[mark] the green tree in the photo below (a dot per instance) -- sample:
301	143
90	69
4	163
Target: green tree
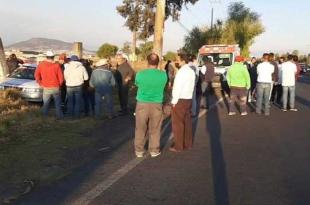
295	52
198	37
126	48
107	50
172	56
140	15
242	26
145	49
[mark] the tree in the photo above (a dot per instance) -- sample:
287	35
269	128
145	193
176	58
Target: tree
198	37
107	50
126	48
242	26
145	49
140	15
172	56
295	52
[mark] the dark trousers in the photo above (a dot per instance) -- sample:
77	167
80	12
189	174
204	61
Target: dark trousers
182	125
240	95
123	97
276	94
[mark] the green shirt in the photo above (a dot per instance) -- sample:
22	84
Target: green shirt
151	84
238	76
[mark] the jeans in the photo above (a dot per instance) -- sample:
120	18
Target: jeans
74	95
89	102
263	93
288	92
108	98
48	94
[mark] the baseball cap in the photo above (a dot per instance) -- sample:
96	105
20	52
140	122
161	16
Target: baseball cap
50	54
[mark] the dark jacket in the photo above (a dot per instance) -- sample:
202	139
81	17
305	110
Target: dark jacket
126	72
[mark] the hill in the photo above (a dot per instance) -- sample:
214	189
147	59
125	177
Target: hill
41	44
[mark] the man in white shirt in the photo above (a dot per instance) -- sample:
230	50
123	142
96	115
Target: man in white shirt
288	76
263	87
75	74
182	94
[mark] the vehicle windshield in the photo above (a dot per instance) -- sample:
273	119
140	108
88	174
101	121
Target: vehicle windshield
23	73
219	59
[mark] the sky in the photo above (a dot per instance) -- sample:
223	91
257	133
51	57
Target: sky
94	22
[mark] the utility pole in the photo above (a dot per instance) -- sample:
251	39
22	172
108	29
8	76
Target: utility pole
4	70
212	13
159	27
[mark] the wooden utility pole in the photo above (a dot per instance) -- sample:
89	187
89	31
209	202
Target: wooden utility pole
134	44
78	49
159	27
4	70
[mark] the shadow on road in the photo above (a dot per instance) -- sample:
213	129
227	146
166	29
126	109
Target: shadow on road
220	183
303	101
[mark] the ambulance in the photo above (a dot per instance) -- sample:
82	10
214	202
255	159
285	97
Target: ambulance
222	56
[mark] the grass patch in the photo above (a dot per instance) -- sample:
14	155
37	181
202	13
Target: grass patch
37	148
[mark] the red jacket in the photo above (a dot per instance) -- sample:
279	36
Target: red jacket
49	75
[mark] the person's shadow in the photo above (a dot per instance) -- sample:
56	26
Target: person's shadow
220	184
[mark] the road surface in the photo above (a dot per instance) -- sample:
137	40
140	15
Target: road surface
236	160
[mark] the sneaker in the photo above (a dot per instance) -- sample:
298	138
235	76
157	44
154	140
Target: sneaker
155	154
231	113
293	109
284	109
139	154
244	113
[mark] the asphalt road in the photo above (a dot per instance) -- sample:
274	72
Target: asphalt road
236	160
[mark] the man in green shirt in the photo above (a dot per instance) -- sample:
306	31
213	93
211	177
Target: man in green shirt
239	81
149	114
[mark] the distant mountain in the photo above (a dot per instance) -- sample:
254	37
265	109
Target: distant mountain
41	44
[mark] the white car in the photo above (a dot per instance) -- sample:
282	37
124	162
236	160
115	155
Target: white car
23	79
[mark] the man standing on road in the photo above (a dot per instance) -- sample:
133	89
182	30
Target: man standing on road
151	83
49	76
239	82
103	81
127	74
264	83
275	78
75	74
182	94
252	68
288	73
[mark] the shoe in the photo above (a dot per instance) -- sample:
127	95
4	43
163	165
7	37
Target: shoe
267	114
172	149
259	113
155	154
231	113
139	154
244	113
293	109
284	109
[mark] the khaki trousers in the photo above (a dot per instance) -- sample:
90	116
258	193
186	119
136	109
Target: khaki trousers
149	117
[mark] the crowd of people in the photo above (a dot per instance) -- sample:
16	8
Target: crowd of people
185	87
263	81
73	82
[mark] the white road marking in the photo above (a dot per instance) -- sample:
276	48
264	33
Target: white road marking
104	185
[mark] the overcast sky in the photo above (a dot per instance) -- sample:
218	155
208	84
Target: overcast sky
94	22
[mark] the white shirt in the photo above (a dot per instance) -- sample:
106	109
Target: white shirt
265	71
289	70
203	69
184	84
75	73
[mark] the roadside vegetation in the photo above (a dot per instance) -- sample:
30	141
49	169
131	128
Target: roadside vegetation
36	150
